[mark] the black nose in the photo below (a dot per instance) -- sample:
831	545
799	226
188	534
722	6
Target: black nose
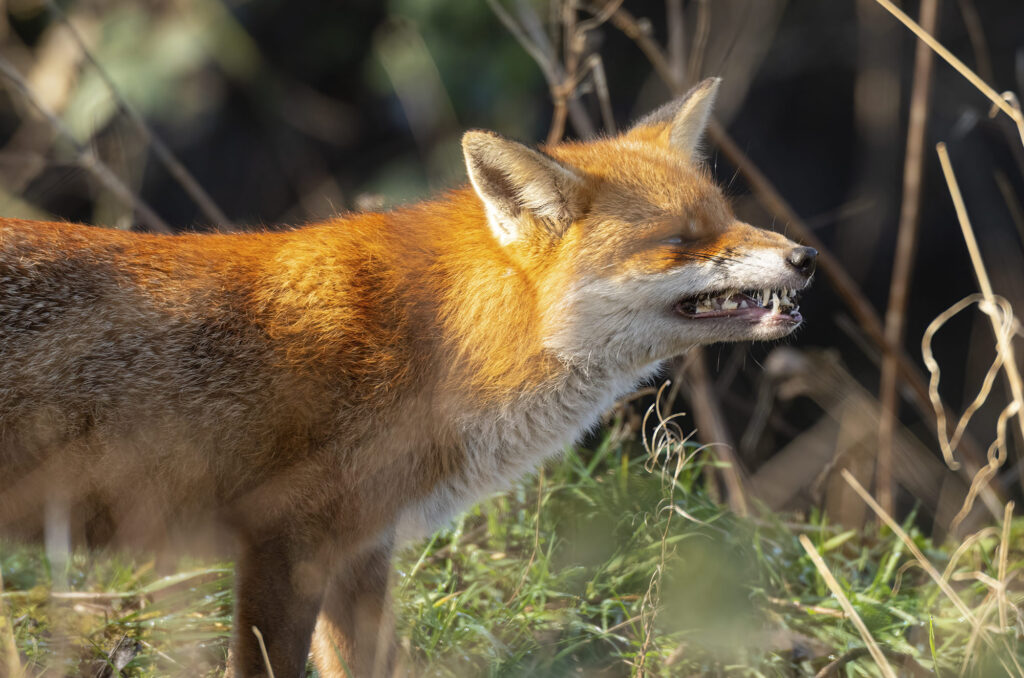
802	259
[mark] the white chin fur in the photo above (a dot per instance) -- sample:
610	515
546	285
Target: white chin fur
629	320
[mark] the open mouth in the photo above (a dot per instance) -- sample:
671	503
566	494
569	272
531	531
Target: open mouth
751	305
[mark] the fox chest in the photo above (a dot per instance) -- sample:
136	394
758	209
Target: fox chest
502	444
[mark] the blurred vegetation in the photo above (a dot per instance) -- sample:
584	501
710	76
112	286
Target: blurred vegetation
603	560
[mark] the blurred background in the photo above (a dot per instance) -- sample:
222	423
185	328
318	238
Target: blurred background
171	115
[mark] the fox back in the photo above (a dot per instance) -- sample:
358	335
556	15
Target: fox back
320	393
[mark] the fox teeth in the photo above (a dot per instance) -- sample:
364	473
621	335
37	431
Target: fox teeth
703	307
730	305
743	304
775	302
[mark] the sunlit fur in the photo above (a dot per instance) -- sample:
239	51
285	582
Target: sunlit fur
313	392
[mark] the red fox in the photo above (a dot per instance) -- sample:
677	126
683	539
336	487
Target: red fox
322	393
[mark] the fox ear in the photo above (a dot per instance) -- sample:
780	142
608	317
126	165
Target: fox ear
684	119
521	188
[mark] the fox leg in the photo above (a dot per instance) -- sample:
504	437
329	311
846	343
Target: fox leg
279	589
354	632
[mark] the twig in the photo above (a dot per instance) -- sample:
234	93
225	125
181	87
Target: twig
162	152
85	155
700	40
676	45
596	67
844	602
540	50
976	34
906	242
809	609
835	667
712	430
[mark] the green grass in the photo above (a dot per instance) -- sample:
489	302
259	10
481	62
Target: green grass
601	566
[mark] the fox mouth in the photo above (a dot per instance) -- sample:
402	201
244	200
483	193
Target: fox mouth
752	305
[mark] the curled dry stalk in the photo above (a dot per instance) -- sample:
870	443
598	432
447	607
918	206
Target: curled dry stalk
1004	326
665	444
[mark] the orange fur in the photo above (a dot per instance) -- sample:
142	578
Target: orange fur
318	393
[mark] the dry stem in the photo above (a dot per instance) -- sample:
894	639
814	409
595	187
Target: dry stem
844	602
903	265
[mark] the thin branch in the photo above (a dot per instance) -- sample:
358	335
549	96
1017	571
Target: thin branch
85	155
162	152
538	47
713	432
906	244
596	67
700	40
676	46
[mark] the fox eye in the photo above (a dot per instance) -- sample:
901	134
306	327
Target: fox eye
674	240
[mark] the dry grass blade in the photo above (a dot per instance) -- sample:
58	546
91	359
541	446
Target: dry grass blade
978	629
263	650
1003	324
1004	342
1004	550
911	546
844	602
998	99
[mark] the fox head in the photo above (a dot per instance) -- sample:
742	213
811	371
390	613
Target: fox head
633	251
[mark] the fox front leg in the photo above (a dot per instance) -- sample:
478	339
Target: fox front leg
353	635
279	589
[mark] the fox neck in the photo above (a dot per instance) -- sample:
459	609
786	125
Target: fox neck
515	398
504	338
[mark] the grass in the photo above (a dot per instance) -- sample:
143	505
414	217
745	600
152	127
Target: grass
601	566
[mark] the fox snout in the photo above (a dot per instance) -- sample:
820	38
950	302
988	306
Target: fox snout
803	260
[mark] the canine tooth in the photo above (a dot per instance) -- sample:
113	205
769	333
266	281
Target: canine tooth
765	296
775	302
730	305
